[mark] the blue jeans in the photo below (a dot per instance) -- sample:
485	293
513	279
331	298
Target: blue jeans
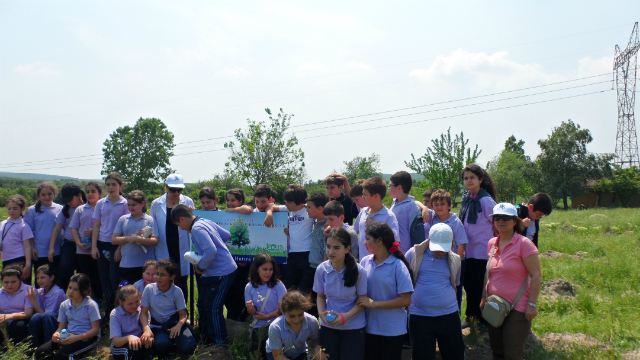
212	290
42	327
163	343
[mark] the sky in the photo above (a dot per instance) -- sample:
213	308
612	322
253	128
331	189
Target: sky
72	72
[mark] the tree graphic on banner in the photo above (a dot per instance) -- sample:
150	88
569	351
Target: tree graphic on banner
239	233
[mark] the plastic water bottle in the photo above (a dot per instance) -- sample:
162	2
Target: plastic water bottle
107	254
64	334
86	240
331	317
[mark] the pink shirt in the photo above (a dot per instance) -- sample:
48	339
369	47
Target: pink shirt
508	272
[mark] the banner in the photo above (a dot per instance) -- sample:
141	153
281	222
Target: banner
249	236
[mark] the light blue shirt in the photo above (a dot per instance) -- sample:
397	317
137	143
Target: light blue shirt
50	302
132	254
385	282
404	211
216	258
108	213
360	227
434	295
282	337
139	285
81	317
259	295
162	304
82	220
42	225
16	303
65	221
459	234
341	299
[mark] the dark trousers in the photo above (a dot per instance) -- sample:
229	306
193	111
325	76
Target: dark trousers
507	342
259	338
445	330
131	274
459	287
124	353
212	290
473	283
17	330
41	327
89	266
235	297
51	350
109	274
43	261
343	344
297	273
380	347
68	263
303	356
19	260
163	343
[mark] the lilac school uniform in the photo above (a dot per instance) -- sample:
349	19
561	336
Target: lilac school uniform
42	225
79	318
360	227
259	295
341	299
216	258
481	232
132	254
282	337
434	295
404	211
82	220
16	303
162	304
459	233
139	285
122	323
65	222
385	282
14	234
109	213
50	302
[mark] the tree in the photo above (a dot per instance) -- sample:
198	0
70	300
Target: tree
140	154
565	163
442	164
512	171
239	233
362	167
263	154
624	183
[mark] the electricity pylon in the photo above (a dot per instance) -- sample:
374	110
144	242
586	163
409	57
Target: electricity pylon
625	65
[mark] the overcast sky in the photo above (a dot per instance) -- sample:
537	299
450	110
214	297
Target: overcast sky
72	72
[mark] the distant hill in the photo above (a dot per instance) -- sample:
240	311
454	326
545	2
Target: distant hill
29	176
414	176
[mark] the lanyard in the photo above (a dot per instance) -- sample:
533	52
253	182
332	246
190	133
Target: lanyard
5	233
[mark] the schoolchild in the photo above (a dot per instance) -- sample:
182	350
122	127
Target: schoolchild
235	200
128	234
404	207
374	191
148	276
72	197
338	283
315	204
426	197
46	304
433	313
41	218
164	313
475	210
15	307
334	213
539	206
389	288
263	197
208	199
106	214
15	244
82	230
357	194
262	295
290	332
80	316
125	329
335	184
217	268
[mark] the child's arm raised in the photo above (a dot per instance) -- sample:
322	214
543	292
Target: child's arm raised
347	188
32	295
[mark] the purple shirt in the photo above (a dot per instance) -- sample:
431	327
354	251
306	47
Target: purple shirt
16	303
385	282
162	304
42	225
14	234
405	212
216	258
258	295
434	295
481	232
459	233
79	318
82	220
360	227
65	221
122	323
50	302
108	213
282	337
132	254
341	299
139	285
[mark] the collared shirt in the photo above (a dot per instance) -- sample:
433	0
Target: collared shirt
508	272
341	299
16	303
459	234
108	213
159	215
42	225
64	222
259	295
140	286
162	304
434	295
351	209
132	254
318	244
385	282
14	233
360	226
282	337
81	317
405	211
216	258
82	220
355	249
122	323
481	232
300	227
50	302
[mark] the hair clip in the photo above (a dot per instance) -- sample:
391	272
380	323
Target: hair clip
123	283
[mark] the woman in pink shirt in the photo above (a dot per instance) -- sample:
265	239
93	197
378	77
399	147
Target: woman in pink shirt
514	260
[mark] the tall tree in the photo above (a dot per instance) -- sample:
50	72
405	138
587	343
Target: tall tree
442	164
141	154
512	171
362	167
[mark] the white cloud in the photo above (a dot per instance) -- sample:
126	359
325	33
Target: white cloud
38	69
358	65
312	69
589	67
235	72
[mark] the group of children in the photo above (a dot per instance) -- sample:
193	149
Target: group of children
346	254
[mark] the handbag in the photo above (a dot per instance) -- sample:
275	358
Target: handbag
496	308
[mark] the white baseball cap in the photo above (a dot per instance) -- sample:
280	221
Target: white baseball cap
175	181
504	209
440	237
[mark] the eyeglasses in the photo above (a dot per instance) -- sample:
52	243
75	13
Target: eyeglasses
502	217
162	275
150	275
174	190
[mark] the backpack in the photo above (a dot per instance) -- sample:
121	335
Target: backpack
416	230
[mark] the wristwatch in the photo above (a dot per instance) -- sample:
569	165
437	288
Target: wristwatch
533	304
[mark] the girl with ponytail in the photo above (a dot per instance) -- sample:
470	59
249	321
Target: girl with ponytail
339	282
389	288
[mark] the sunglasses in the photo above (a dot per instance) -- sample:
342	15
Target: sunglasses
175	190
502	217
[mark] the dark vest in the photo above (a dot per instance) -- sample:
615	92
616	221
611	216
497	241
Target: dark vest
523	213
